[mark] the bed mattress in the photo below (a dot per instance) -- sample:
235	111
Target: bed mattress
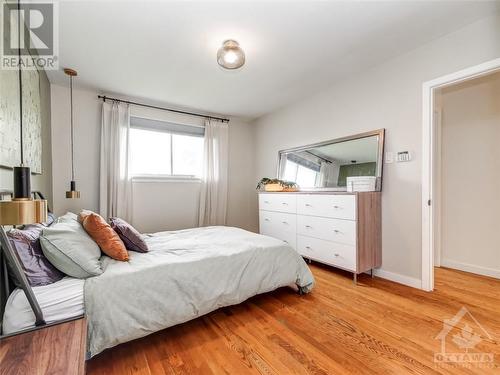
58	301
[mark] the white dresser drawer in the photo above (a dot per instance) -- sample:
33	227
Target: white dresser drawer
280	221
335	254
341	206
279	225
280	202
290	239
337	230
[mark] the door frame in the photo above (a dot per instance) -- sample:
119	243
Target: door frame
430	158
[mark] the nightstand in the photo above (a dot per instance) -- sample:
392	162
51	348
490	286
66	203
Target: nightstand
55	349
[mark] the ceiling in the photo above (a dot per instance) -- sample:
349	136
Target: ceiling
166	51
362	150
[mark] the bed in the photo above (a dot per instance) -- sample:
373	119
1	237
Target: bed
186	274
59	301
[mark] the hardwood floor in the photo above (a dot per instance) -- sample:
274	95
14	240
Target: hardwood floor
373	328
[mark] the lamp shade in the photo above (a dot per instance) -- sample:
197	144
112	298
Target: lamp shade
23	211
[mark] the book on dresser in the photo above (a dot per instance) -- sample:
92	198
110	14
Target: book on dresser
339	229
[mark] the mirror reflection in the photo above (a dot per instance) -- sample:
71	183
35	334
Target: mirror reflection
329	164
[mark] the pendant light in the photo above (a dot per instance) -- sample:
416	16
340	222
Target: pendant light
230	55
22	209
72	193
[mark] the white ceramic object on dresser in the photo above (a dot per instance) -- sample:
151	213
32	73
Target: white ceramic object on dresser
339	229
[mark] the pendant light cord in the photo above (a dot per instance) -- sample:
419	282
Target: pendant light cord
71	110
20	80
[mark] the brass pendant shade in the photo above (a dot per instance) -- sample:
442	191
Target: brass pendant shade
22	209
72	193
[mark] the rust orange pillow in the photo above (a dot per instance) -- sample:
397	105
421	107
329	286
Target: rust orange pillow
107	239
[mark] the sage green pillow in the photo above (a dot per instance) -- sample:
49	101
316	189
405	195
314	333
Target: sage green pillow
71	250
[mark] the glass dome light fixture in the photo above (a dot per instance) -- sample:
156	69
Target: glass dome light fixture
230	55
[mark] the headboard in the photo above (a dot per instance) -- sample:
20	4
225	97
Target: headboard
9	255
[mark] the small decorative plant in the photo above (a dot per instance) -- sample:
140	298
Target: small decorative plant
275	184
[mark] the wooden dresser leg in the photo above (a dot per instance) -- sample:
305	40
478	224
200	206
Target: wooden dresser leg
355	279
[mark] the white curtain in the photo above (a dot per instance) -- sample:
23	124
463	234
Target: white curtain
213	194
115	197
326	174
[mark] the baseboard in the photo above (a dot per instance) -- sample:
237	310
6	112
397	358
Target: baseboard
398	278
467	267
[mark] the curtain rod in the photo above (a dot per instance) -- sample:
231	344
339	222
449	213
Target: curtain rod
104	97
319	157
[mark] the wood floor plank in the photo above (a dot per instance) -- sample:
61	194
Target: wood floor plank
376	326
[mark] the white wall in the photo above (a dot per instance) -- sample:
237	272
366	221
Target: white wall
87	118
386	96
471	176
169	205
156	205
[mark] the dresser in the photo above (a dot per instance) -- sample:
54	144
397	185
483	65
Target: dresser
339	229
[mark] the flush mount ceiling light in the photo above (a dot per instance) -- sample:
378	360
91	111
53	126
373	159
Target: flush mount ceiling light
230	55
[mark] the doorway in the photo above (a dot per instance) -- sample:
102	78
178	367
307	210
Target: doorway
467	178
432	199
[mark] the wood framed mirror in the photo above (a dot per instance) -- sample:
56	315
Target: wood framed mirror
326	166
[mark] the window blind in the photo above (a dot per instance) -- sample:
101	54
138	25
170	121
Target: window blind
167	127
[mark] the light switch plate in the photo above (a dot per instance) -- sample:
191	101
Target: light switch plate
403	156
389	157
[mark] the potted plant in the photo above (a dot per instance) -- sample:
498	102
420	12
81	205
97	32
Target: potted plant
274	184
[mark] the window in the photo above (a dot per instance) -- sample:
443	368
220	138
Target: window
159	148
300	174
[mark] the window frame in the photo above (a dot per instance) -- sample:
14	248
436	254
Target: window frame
145	177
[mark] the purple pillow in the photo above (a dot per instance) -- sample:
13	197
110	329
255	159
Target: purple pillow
129	235
37	268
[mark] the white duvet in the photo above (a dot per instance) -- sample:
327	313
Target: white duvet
186	274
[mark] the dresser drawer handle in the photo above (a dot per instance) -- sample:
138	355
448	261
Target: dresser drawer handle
308	247
284	203
285	222
336	231
266	219
308	205
266	202
308	226
285	241
336	255
336	207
